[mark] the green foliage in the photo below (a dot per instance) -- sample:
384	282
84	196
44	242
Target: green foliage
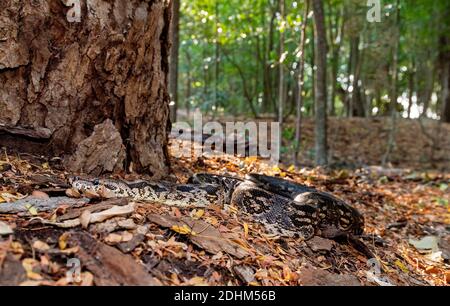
243	79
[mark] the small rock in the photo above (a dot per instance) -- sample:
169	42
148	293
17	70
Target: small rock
127	247
5	229
245	273
40	195
142	229
127	224
444	246
12	272
311	276
320	244
428	244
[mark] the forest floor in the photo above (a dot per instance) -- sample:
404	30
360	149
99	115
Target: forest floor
45	236
358	142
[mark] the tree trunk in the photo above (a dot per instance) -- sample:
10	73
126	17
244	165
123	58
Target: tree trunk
348	97
187	99
426	92
393	90
336	47
445	117
300	83
320	84
93	90
281	70
411	76
174	54
444	59
268	101
357	107
216	60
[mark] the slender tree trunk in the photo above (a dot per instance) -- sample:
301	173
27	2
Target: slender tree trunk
348	98
411	87
445	78
281	69
394	91
268	99
336	44
217	60
173	72
320	84
445	116
427	91
300	83
95	90
205	78
356	101
187	99
313	73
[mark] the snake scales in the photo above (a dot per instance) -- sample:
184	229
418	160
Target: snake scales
285	208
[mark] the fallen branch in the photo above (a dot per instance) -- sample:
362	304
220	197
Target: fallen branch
39	205
87	217
75	213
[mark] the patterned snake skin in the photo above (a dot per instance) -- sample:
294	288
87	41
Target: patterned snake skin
285	208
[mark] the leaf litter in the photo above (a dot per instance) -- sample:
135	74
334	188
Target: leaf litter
407	230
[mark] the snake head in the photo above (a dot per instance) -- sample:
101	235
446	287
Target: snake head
95	188
335	216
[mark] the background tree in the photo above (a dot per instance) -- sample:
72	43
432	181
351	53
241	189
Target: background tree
320	84
301	80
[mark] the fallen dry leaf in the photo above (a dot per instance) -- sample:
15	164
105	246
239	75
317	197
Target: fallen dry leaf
87	279
62	241
41	246
206	237
29	264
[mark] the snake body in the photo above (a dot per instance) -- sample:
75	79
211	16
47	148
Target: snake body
284	208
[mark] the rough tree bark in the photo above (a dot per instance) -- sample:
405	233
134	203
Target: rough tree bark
444	59
320	84
300	82
95	90
174	55
281	46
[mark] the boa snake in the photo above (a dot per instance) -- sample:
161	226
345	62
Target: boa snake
283	207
